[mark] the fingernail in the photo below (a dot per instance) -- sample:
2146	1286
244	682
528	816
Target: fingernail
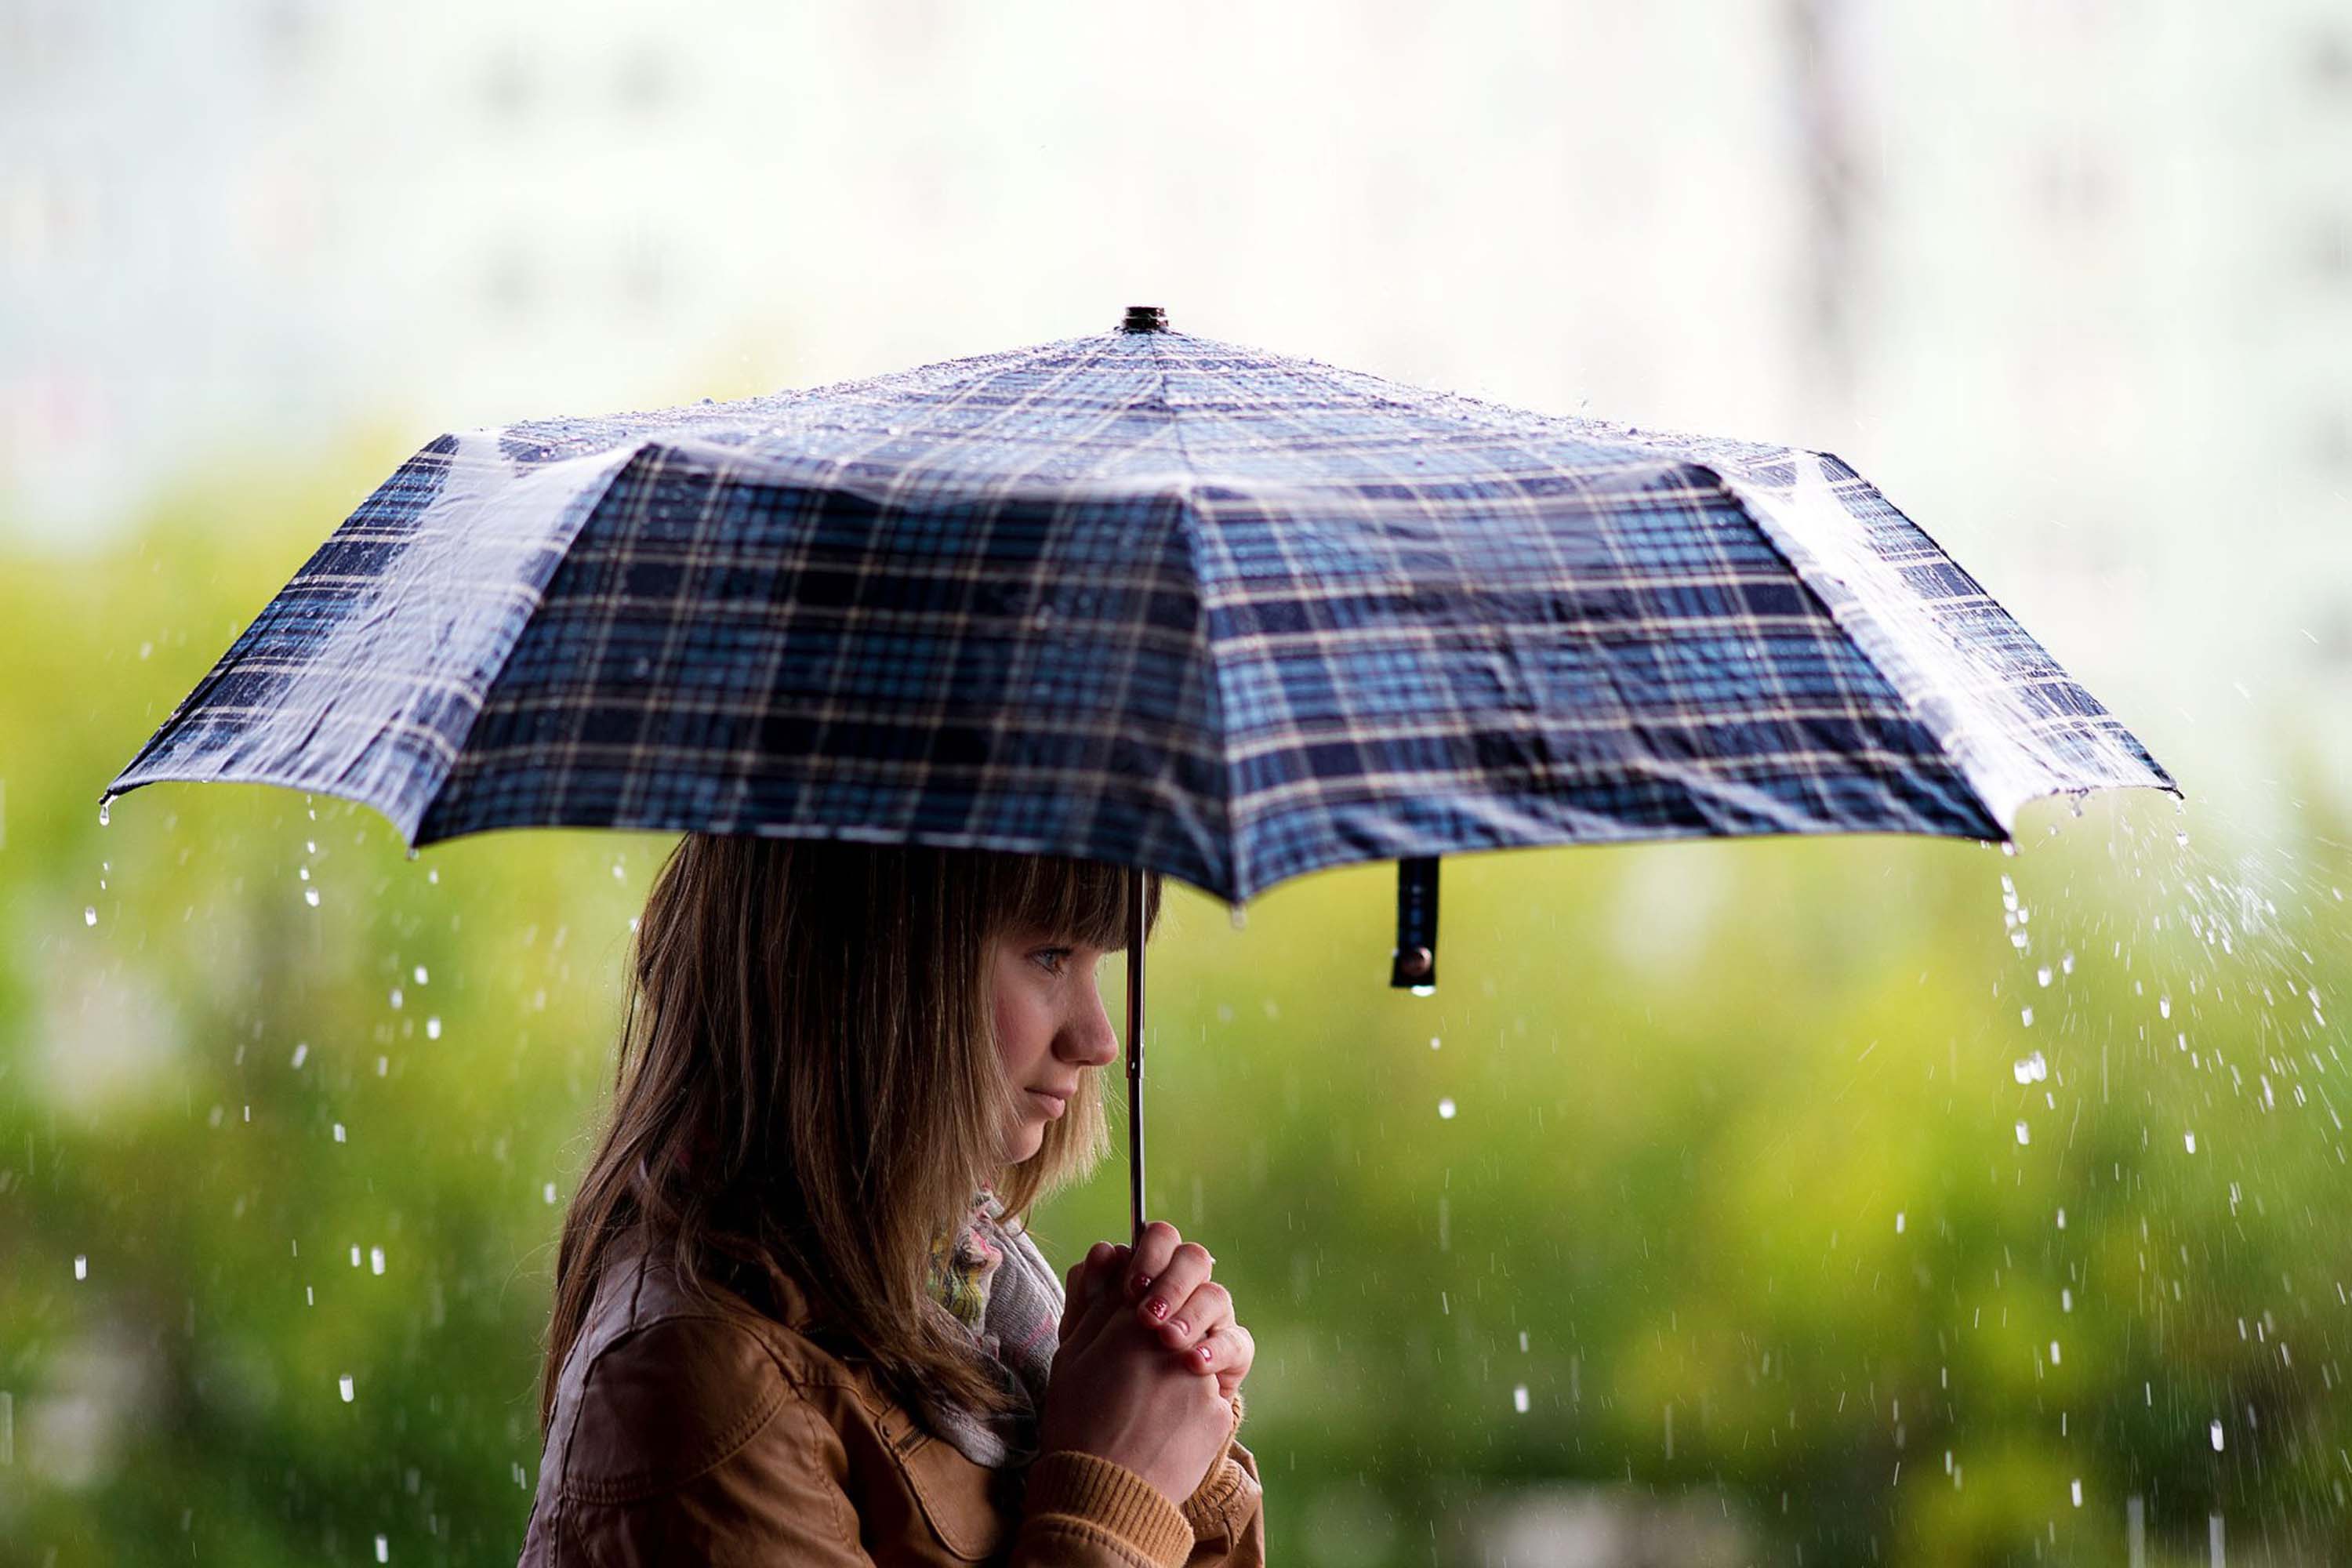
1137	1287
1202	1353
1159	1308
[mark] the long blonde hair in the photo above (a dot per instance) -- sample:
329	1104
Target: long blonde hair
808	1084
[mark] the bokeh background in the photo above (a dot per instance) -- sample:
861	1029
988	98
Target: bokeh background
1857	1201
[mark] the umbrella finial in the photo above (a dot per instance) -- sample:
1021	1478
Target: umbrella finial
1144	318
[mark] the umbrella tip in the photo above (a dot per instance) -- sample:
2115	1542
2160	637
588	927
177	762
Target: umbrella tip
1144	318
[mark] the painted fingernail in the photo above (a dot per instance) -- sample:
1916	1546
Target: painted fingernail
1140	1284
1202	1353
1159	1308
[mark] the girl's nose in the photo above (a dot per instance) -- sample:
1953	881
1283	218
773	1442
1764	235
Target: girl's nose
1088	1040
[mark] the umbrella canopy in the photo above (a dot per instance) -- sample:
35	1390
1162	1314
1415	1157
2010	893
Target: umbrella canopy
1146	598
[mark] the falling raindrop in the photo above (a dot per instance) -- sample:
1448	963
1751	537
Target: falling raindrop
311	896
301	1050
433	1029
89	915
383	1547
1520	1399
2053	1352
420	974
547	1192
2041	975
375	1260
2030	1069
2066	963
396	997
339	1131
345	1383
2065	1300
2164	1006
434	875
81	1266
1445	1108
2027	1013
2190	1139
2216	1434
2078	1500
1433	1042
2024	1133
104	812
1898	1222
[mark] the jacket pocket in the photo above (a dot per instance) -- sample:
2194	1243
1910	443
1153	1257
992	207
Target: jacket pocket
958	1499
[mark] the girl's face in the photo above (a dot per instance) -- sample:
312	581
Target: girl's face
1050	1027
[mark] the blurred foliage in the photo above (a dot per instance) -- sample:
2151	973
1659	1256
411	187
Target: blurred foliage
1712	1171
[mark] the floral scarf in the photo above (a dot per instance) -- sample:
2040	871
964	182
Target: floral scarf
1000	1287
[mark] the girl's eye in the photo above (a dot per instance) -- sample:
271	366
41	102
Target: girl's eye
1051	958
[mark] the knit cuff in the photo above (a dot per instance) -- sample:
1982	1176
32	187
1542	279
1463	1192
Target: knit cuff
1209	1510
1088	1488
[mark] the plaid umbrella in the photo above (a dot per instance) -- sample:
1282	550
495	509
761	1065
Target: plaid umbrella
1147	598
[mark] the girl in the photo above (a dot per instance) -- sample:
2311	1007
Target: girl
798	1318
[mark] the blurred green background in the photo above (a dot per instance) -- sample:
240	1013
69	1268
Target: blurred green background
1722	1207
1724	1171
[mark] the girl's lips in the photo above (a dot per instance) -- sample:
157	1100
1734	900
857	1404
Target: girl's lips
1054	1104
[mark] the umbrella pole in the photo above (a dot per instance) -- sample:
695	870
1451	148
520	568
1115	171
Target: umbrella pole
1135	1055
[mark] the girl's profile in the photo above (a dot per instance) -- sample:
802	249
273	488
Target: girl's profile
798	1315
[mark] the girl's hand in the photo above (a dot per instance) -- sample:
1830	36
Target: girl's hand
1118	1393
1168	1282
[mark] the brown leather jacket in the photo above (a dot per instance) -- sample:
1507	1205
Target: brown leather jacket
688	1433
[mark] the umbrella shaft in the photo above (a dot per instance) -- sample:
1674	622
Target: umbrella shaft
1135	1055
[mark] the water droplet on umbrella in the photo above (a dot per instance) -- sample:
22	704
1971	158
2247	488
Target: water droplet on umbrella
1445	1108
89	915
345	1383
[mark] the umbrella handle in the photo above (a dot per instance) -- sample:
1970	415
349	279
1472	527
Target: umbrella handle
1135	1055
